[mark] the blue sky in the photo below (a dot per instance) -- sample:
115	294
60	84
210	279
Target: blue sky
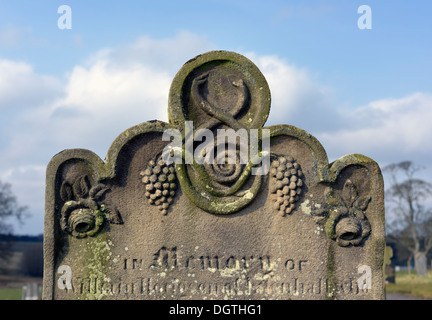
362	91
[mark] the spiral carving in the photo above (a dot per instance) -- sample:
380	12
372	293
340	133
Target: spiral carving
223	172
219	90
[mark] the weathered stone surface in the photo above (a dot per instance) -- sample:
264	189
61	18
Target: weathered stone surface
135	227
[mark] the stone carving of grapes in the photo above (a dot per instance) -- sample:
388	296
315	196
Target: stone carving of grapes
160	183
286	183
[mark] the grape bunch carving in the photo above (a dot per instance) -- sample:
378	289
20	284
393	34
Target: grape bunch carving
286	183
160	182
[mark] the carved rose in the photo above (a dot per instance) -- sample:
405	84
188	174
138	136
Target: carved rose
82	214
346	222
81	218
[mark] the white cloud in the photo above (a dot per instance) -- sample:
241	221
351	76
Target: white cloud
103	88
105	98
388	129
297	98
22	87
168	54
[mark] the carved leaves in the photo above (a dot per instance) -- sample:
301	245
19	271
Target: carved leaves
98	191
66	192
348	198
83	213
82	189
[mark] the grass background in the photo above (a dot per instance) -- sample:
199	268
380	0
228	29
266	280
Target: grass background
11	294
412	284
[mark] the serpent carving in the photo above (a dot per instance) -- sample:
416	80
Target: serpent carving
218	98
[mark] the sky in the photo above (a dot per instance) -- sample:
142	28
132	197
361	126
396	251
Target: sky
79	85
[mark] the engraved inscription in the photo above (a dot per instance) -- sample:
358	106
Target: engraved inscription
167	258
237	287
232	277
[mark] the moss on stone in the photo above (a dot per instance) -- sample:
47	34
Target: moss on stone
97	257
331	272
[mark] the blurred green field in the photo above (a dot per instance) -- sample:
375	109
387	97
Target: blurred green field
11	286
11	294
412	284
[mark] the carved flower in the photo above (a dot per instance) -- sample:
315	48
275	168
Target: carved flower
82	214
346	222
81	218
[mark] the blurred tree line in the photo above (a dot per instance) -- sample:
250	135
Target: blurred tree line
9	208
27	248
409	215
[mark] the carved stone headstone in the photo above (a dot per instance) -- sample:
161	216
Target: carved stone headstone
421	263
213	205
389	267
31	291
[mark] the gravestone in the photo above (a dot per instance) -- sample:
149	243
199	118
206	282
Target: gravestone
389	267
32	291
213	205
421	263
